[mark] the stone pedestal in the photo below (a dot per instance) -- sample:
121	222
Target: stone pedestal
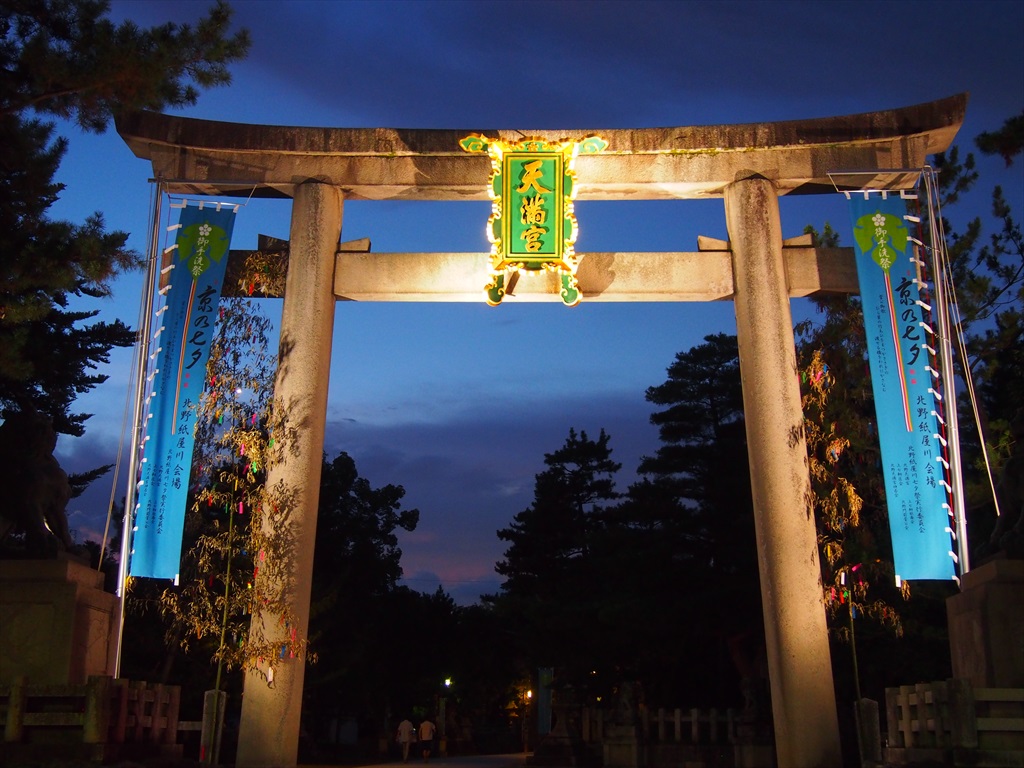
869	731
55	621
622	748
563	746
986	625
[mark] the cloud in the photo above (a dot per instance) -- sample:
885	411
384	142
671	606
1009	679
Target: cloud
471	474
86	514
468	474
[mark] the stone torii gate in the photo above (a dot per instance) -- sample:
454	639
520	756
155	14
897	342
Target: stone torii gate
748	165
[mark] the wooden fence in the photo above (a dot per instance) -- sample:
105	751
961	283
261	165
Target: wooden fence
692	726
951	723
103	719
664	737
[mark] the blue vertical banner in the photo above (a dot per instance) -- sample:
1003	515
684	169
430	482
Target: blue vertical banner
904	382
186	327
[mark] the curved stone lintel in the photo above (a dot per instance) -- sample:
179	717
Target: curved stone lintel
212	157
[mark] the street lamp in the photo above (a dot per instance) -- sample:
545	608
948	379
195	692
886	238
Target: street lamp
442	718
526	720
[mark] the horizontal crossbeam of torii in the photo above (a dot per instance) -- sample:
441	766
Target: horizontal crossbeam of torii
704	275
749	166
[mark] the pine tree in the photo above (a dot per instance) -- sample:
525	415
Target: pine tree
356	569
1008	141
552	589
46	350
695	505
552	535
63	58
703	455
356	524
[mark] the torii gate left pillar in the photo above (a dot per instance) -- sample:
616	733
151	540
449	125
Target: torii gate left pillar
269	728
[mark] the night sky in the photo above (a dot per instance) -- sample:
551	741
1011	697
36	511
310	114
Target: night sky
459	402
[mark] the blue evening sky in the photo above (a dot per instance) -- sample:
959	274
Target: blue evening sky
459	402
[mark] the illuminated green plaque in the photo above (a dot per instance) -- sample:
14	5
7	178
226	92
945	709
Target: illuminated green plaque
532	226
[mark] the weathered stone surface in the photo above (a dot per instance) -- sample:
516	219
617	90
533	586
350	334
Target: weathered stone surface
621	277
55	621
986	625
269	729
796	636
219	158
705	275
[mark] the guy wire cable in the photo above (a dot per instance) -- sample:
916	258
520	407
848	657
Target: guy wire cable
133	372
961	345
140	385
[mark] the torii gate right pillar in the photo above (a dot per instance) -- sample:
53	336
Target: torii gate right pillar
796	636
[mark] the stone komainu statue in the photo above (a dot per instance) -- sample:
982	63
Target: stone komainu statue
34	490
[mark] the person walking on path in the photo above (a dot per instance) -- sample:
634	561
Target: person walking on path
427	730
406	736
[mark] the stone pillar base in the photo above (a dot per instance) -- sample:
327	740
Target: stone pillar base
562	747
986	625
622	748
55	621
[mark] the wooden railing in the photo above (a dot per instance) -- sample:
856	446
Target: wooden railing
952	723
663	738
100	720
692	726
